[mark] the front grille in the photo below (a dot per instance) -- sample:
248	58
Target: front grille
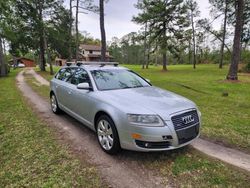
152	145
186	131
179	123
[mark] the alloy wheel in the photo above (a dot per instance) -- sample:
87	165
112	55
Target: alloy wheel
53	103
105	134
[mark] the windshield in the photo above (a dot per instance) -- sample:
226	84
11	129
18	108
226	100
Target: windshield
117	79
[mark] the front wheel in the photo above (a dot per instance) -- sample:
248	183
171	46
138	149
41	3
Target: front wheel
54	104
107	135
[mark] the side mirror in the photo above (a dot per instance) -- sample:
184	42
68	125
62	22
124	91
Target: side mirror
84	85
147	80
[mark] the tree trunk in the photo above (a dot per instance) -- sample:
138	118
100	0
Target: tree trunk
156	56
148	57
233	71
164	59
224	35
77	32
48	56
41	37
145	45
156	60
189	51
70	30
42	54
148	51
3	71
50	63
103	34
194	47
164	48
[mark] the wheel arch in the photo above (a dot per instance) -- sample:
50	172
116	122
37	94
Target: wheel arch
51	93
99	114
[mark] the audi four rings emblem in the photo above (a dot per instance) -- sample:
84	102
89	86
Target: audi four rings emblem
187	119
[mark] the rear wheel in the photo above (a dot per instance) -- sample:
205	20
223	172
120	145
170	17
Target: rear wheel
54	104
107	135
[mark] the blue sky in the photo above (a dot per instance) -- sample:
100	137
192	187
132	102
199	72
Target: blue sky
118	15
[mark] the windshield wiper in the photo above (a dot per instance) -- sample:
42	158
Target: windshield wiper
137	86
126	87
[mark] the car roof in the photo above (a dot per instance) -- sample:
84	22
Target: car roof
96	66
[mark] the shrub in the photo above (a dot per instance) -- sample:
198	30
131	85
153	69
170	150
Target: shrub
247	67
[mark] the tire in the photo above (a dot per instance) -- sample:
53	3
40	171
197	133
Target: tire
107	135
54	104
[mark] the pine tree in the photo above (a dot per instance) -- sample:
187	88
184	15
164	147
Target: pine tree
233	71
166	19
2	63
102	28
194	12
221	8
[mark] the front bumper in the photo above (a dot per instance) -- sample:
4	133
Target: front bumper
158	138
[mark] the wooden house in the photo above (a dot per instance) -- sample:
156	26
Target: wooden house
92	53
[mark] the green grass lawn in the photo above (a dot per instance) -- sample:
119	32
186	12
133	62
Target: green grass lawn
29	153
46	74
224	119
187	167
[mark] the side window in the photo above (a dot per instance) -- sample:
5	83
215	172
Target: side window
60	73
67	74
80	76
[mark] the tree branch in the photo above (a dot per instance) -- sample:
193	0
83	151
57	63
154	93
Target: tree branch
218	37
84	8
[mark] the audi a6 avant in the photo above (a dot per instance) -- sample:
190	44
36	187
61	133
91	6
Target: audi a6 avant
123	108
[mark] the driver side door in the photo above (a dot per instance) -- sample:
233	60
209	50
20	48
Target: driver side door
81	103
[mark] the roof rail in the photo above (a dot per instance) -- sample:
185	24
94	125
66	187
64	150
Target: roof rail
100	63
79	63
70	63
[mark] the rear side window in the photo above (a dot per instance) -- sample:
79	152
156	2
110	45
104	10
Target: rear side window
60	73
65	73
80	76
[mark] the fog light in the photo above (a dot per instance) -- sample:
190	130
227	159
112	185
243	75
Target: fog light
167	137
136	136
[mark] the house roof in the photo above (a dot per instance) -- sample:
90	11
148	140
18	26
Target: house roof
91	47
95	55
22	58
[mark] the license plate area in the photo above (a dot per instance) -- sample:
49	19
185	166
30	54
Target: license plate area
187	134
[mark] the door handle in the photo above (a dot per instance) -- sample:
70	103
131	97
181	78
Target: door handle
69	92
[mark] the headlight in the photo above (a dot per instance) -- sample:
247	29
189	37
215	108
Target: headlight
146	120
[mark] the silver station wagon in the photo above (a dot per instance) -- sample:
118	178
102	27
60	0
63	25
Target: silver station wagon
123	108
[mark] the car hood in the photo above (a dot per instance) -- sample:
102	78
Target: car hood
147	100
